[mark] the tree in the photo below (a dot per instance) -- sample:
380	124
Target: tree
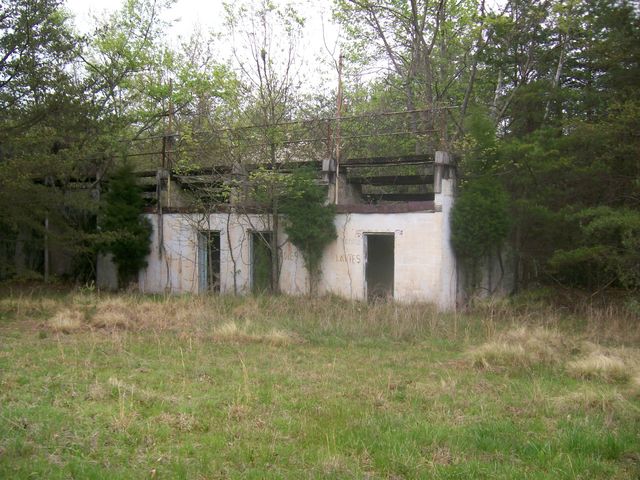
125	233
124	61
307	220
557	81
606	251
269	92
42	125
425	45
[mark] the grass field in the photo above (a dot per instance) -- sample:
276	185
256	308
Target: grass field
96	386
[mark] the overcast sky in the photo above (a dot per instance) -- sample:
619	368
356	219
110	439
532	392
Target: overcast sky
188	14
317	56
208	15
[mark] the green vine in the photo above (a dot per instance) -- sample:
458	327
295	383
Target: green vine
480	221
308	222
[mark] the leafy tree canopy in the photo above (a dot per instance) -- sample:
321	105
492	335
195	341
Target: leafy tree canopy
480	219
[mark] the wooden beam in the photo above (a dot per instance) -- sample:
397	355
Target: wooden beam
199	180
285	167
392	160
148	187
393	180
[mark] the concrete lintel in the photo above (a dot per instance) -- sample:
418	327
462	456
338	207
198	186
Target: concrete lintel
443	158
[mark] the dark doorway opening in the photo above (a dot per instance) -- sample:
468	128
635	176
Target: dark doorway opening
379	265
209	261
261	266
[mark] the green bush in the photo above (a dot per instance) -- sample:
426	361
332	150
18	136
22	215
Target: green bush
124	231
480	218
607	250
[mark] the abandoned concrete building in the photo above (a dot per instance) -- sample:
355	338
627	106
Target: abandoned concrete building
392	192
390	245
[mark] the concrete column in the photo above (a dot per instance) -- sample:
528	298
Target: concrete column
329	177
444	187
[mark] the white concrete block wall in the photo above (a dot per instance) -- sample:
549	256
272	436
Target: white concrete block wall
176	271
419	246
416	247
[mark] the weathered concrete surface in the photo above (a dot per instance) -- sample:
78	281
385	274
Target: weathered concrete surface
106	272
417	255
174	267
449	273
422	256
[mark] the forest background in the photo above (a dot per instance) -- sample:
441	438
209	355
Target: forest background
538	99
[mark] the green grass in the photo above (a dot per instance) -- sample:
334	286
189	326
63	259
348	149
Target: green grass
357	391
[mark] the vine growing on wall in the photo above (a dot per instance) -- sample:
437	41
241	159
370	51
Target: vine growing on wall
308	221
480	223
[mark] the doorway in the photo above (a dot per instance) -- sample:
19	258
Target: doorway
209	261
379	265
261	266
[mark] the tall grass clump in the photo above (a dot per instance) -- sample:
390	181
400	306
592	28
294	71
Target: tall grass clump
607	317
114	313
589	399
521	347
518	332
234	333
618	365
66	321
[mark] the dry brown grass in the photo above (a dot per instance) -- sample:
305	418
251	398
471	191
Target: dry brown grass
114	313
601	319
279	338
273	319
134	313
246	310
182	422
85	313
28	306
175	314
525	347
336	466
592	400
612	324
131	390
232	332
521	347
599	365
96	391
67	321
610	365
